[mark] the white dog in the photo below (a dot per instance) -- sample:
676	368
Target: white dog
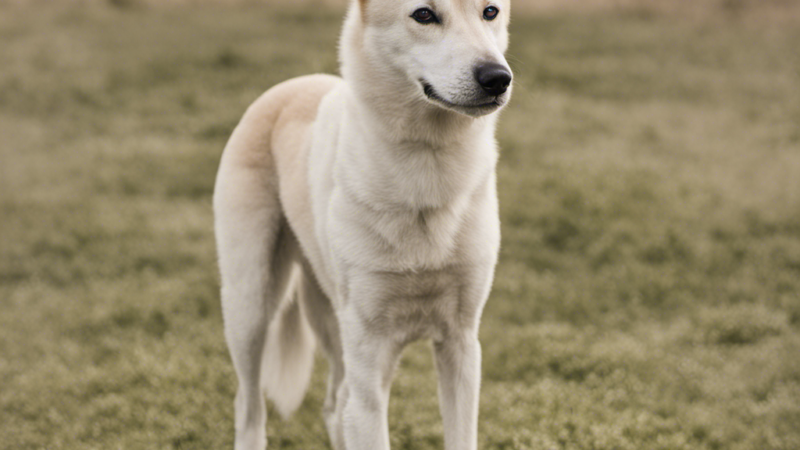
363	210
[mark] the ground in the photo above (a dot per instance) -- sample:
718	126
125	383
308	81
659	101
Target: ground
648	292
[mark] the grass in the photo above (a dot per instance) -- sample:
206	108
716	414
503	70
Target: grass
648	295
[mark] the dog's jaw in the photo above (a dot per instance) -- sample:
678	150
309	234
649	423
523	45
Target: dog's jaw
472	110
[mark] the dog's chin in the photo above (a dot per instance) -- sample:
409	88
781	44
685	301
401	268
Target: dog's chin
480	107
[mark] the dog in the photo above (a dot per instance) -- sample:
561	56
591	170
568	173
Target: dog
361	213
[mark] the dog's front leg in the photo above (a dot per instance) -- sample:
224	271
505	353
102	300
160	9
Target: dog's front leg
458	362
370	358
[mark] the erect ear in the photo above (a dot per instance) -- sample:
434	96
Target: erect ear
363	9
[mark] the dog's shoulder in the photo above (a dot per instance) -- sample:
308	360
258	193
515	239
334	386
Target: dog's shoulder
298	101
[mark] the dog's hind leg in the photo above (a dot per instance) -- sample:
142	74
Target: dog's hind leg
255	269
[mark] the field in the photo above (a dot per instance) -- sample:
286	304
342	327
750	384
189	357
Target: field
648	294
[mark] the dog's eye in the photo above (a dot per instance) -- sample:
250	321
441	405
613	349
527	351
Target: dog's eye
490	13
425	15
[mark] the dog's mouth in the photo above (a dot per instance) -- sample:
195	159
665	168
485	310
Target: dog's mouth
431	93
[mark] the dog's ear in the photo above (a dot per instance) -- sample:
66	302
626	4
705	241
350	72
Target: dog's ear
363	8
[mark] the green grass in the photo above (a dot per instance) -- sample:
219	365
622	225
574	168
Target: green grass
648	294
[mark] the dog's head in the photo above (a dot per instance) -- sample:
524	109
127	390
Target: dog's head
451	51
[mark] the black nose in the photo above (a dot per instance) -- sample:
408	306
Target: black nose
494	78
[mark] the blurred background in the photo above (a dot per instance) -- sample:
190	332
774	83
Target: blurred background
648	292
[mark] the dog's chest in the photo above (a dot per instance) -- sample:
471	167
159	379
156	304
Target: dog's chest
420	237
411	210
404	239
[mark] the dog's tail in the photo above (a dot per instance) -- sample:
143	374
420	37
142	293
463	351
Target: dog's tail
288	358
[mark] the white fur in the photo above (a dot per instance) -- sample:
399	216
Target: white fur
370	207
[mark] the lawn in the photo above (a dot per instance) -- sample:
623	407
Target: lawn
648	292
